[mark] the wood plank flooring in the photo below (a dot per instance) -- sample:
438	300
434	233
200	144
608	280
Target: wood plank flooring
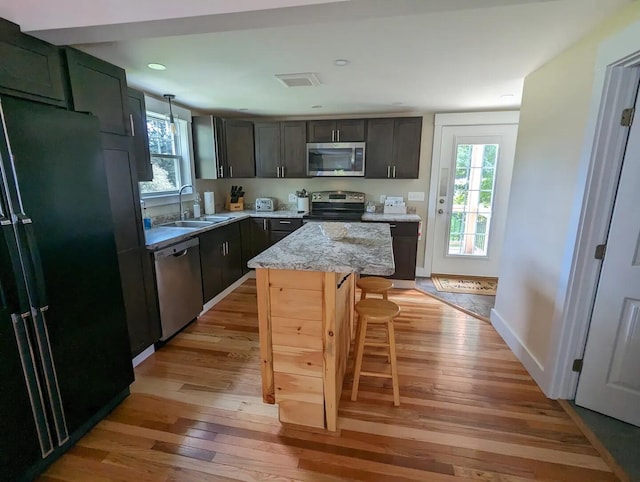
469	412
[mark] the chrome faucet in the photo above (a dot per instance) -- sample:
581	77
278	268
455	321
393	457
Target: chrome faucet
183	214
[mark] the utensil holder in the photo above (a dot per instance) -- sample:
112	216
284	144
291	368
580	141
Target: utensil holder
229	206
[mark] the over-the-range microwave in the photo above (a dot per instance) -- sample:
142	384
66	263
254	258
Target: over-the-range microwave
337	159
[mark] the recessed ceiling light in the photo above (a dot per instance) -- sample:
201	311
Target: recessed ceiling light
153	66
316	107
396	103
342	62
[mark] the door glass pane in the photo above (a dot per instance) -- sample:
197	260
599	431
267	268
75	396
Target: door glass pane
472	199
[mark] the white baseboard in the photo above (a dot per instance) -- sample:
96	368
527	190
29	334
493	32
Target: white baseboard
404	284
214	301
150	350
530	362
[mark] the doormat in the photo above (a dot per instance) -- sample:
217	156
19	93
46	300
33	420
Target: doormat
473	285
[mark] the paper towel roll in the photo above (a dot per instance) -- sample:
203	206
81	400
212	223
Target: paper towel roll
209	203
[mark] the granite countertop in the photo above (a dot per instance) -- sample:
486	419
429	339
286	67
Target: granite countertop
398	218
366	249
162	236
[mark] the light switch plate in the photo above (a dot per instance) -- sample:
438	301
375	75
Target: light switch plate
292	197
416	196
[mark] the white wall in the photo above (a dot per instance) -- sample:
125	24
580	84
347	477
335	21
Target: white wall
541	224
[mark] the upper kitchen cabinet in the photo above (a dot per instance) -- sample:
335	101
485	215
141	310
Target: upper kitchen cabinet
31	68
238	143
88	75
223	148
280	149
337	130
393	148
138	121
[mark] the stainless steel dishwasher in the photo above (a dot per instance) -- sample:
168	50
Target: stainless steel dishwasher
179	285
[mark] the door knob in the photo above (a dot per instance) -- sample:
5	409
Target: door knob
440	211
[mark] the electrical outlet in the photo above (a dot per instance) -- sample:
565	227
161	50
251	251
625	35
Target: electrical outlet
383	198
416	196
292	197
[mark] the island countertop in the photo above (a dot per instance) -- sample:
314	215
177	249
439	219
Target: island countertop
367	249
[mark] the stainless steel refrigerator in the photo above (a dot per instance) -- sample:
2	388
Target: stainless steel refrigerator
64	352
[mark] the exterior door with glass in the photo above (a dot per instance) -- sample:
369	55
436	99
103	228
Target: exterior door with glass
472	193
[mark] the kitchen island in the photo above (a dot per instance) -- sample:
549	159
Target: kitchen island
306	293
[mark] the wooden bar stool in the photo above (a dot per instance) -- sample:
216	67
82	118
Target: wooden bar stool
374	284
376	311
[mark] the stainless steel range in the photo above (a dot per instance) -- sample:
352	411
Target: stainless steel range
336	206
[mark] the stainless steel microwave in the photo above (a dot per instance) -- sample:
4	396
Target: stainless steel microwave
338	159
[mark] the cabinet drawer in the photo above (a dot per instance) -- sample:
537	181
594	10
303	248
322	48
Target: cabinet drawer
291	332
298	387
285	224
301	280
401	228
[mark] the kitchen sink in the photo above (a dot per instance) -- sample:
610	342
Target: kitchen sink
216	219
190	224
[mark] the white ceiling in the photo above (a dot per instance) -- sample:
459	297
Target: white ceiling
221	56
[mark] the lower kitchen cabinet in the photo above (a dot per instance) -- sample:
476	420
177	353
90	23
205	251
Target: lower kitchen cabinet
220	259
280	228
405	249
255	239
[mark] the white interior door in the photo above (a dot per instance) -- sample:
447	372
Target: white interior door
610	379
474	177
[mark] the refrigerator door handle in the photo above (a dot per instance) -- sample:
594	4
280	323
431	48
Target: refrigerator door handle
39	298
34	389
50	376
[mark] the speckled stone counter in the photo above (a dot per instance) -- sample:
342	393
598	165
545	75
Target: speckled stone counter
366	249
391	218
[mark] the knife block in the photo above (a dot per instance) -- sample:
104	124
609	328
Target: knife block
229	206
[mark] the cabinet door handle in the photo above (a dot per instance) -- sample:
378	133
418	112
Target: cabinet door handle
278	172
231	171
338	135
333	135
393	225
394	171
282	171
133	129
285	222
388	171
221	171
264	224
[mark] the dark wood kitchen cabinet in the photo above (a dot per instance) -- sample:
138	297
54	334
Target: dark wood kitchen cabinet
223	148
255	239
280	149
404	236
239	159
31	68
336	130
220	259
393	148
100	88
280	228
138	120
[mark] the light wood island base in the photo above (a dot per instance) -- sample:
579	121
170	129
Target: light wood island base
305	323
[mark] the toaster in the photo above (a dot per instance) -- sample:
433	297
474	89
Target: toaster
265	204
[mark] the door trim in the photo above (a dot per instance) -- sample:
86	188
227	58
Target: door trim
616	77
440	121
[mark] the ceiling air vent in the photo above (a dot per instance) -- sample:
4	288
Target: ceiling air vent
305	79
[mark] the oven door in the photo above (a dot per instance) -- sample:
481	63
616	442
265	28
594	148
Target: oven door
336	159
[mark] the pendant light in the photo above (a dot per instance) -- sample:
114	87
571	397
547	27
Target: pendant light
172	120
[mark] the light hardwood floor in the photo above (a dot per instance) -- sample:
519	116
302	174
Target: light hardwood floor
469	411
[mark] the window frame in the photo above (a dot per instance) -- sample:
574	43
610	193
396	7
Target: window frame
184	155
